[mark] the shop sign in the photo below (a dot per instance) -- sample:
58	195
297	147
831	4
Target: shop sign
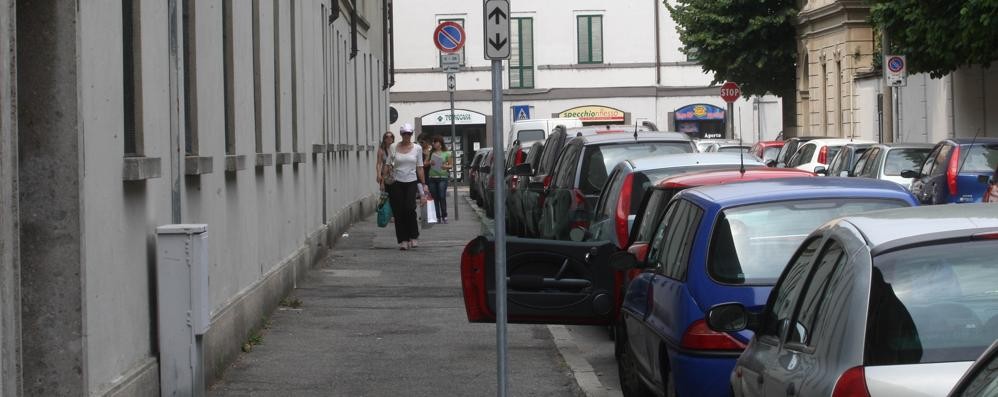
591	114
700	111
461	117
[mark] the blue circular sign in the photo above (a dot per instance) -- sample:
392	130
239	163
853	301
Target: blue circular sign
449	37
895	64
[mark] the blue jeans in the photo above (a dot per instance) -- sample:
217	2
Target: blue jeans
438	189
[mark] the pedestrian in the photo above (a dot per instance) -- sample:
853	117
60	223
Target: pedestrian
440	161
406	158
386	143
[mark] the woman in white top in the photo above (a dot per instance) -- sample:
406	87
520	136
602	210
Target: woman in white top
407	159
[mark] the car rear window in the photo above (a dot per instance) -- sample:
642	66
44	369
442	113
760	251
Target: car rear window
904	159
752	244
530	135
979	158
933	303
598	160
733	149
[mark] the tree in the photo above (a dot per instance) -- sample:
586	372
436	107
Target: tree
939	36
751	42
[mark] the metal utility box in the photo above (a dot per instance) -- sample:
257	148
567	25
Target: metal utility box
184	306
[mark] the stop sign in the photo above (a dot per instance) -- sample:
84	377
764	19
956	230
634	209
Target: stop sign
730	92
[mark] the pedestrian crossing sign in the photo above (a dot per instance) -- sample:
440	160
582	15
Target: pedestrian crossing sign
521	112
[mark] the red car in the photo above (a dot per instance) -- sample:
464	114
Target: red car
767	150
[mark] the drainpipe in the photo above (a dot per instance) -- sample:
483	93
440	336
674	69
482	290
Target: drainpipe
658	48
951	109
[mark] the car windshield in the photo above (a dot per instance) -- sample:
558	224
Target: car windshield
752	244
525	136
933	303
904	159
979	158
600	159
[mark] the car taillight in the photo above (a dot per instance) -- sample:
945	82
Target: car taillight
519	157
823	155
473	282
547	181
700	337
852	383
513	180
640	251
624	210
953	170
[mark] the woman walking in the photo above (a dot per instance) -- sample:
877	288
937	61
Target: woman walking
386	143
406	159
440	163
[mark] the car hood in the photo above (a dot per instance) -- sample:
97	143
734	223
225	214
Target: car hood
914	380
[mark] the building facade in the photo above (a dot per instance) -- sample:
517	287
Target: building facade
842	93
606	62
258	118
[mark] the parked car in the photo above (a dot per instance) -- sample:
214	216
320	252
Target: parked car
539	180
843	162
486	182
620	199
956	171
889	303
703	144
886	161
583	168
767	151
474	183
517	183
981	380
790	148
716	244
817	152
537	130
733	147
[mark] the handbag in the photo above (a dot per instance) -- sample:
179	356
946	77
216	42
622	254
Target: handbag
388	169
384	213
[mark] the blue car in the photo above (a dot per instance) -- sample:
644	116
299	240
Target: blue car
716	244
956	171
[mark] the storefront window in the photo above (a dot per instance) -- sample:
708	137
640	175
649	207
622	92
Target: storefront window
700	120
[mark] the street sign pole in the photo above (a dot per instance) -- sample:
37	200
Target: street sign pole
497	48
451	86
730	93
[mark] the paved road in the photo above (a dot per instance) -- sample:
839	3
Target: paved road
376	321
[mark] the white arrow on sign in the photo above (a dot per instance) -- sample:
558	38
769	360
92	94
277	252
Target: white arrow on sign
497	29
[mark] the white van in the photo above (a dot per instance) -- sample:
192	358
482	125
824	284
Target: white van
533	130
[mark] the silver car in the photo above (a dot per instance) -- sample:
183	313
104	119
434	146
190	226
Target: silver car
887	161
887	303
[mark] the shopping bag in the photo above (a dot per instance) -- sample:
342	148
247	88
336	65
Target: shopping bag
384	213
431	211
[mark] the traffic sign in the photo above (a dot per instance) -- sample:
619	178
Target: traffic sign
496	29
451	85
896	70
730	92
450	63
449	37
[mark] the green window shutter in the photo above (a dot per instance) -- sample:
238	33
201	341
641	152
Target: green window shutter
521	60
596	39
583	39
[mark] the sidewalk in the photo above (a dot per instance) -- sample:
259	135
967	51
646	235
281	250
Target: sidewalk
376	321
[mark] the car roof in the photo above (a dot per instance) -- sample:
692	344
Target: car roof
888	229
809	137
604	129
629	136
717	177
734	194
841	141
688	159
907	145
858	145
771	143
967	141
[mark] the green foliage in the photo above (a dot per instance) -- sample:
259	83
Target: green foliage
751	42
939	36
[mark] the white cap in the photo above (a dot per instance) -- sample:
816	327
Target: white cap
407	127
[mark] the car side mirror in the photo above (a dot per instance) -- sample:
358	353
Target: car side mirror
523	169
771	163
623	260
731	317
909	174
821	170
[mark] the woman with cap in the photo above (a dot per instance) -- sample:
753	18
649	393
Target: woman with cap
407	160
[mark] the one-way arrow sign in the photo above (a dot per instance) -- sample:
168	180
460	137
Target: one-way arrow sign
497	29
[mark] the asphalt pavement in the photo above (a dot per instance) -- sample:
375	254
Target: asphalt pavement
376	321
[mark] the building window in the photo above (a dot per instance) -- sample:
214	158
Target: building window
590	38
460	21
521	59
132	77
691	54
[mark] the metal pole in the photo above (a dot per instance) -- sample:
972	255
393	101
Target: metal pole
453	156
499	170
176	81
731	121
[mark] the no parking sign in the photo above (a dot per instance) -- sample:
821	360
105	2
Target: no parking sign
896	70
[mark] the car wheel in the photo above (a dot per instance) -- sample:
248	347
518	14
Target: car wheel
630	382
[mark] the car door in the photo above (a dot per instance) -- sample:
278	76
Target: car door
548	282
601	227
871	163
559	195
755	373
533	195
933	182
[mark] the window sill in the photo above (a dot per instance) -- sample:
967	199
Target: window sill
141	168
282	158
197	165
298	157
235	163
318	148
264	160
